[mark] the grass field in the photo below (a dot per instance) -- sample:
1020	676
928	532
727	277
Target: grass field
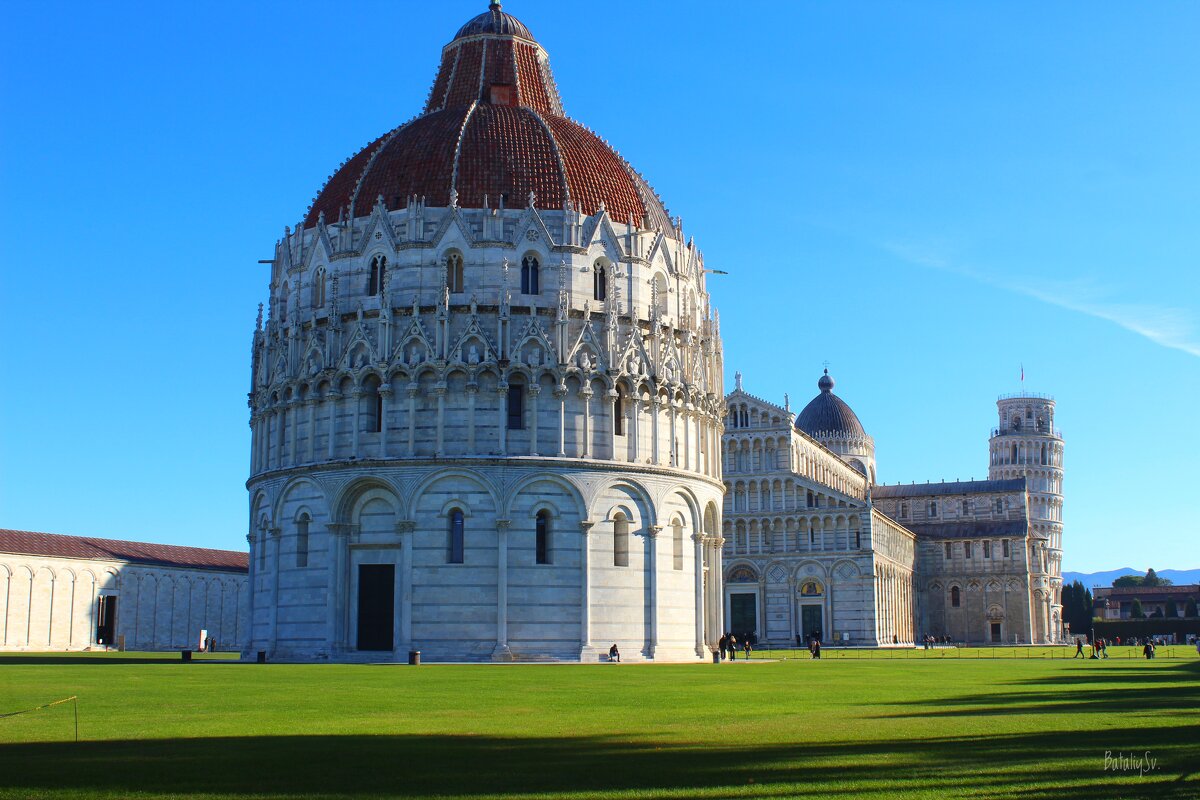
886	725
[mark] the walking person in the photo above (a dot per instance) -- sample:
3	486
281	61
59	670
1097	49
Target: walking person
1079	649
816	648
732	647
746	648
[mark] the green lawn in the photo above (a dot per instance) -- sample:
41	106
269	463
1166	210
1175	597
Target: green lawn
886	725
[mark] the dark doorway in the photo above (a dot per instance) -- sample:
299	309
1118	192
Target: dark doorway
376	606
743	614
810	622
996	632
106	619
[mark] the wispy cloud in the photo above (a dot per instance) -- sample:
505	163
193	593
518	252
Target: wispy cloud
1170	327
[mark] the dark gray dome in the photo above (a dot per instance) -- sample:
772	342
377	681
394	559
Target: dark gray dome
494	21
828	415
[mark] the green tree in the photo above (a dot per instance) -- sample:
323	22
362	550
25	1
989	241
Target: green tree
1171	610
1190	610
1135	610
1152	579
1077	606
1128	580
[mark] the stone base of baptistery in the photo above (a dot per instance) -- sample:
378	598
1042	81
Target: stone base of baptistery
325	529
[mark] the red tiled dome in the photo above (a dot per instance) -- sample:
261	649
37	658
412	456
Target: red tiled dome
493	130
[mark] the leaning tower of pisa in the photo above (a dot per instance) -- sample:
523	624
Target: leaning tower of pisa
1028	444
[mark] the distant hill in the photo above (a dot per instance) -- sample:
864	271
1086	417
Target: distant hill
1091	579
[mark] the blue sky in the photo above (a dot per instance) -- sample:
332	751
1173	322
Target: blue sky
927	195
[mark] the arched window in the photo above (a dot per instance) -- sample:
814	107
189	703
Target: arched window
932	509
302	541
619	412
599	281
454	273
377	417
530	278
677	543
378	268
318	288
955	597
542	538
516	406
620	540
454	549
904	511
660	291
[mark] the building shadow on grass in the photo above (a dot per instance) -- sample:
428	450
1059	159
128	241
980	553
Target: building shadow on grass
1114	690
101	659
1065	765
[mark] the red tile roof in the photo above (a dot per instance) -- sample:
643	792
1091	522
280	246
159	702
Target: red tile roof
464	143
83	547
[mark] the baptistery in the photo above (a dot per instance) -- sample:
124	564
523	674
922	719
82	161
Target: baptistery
486	402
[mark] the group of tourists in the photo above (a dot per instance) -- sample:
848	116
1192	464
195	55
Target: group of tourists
728	645
933	641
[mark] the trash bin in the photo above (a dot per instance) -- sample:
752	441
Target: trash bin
262	656
186	654
716	657
414	658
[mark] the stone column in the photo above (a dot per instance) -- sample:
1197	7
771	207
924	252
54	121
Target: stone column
612	428
534	391
651	580
385	408
404	530
251	586
672	444
561	393
440	391
586	651
716	581
472	391
413	389
501	651
332	401
655	446
698	550
635	413
277	540
502	419
337	601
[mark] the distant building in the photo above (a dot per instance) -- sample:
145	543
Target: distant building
77	593
814	547
1116	602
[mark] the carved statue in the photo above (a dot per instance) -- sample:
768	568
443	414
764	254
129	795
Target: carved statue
473	355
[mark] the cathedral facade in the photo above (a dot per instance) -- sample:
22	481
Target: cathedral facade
814	548
486	402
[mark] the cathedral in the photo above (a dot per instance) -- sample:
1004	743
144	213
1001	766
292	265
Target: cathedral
488	423
815	548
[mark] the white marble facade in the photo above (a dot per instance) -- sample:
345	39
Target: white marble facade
372	427
52	603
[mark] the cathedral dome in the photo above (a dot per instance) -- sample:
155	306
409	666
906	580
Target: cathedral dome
493	132
494	21
828	416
